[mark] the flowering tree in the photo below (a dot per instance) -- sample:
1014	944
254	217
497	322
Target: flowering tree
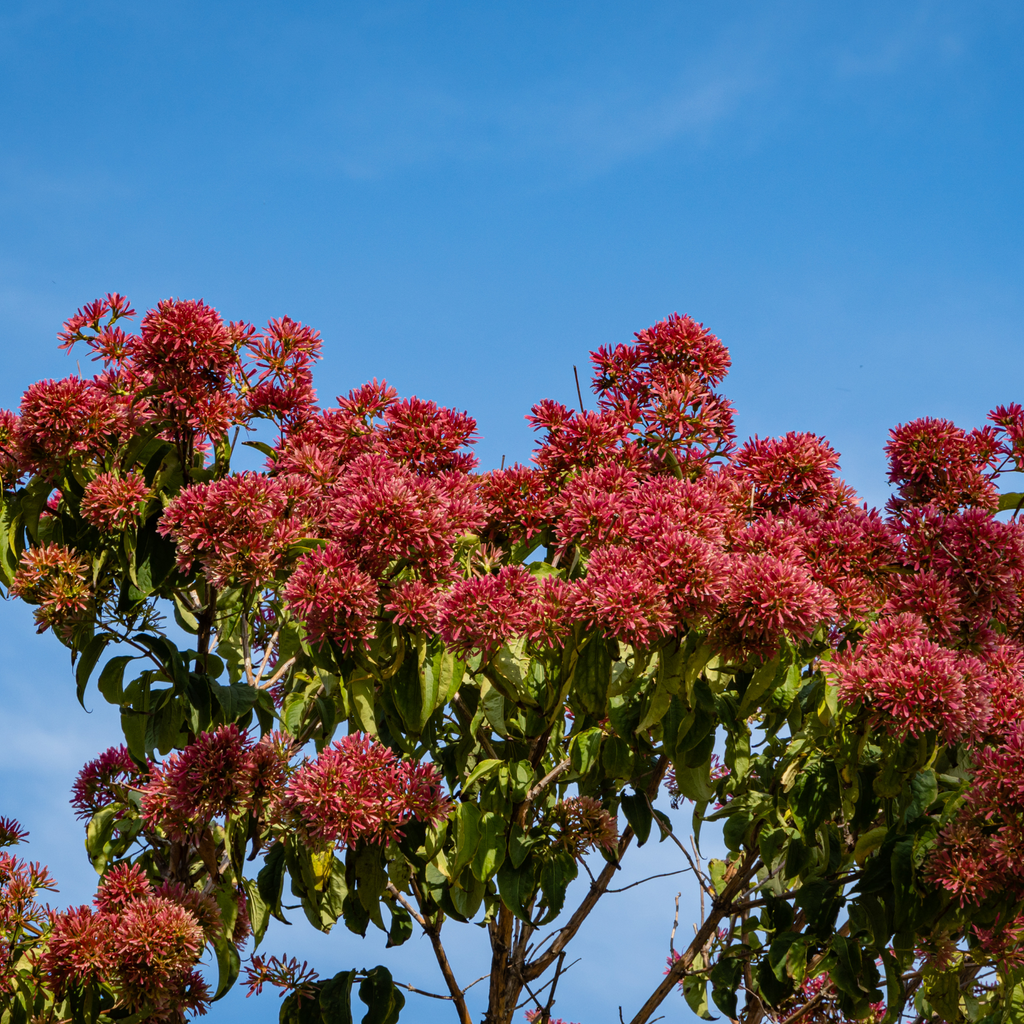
418	695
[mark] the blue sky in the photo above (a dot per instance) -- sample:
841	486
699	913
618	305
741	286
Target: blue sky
466	197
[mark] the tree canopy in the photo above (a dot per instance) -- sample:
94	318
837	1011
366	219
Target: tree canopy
417	694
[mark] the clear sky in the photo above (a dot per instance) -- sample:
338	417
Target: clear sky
466	197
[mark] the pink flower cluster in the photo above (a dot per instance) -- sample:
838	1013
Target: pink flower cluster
221	773
22	917
358	790
56	579
114	503
583	824
105	780
139	942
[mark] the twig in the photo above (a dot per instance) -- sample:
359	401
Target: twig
419	991
392	891
737	877
269	650
243	631
579	394
279	671
433	932
701	878
664	874
546	1015
675	925
536	790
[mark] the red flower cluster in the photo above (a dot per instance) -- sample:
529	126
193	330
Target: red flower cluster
933	462
221	773
357	790
105	780
113	503
56	579
142	945
584	824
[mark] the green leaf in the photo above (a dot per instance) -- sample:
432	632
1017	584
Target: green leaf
467	836
154	558
259	911
925	791
726	977
260	446
363	693
814	797
10	527
235	700
695	991
764	680
695	783
556	873
1011	500
111	681
336	998
517	886
33	501
584	748
270	881
616	758
133	725
169	657
490	851
637	809
87	662
493	703
519	845
97	836
483	770
401	926
593	675
229	963
384	999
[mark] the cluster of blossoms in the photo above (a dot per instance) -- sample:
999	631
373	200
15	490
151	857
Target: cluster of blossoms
222	773
105	780
584	824
536	1015
22	916
945	656
359	790
653	522
57	580
355	790
140	942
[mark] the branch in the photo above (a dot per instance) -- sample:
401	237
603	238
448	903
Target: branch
664	874
414	913
243	632
434	934
719	908
539	788
278	672
267	653
597	890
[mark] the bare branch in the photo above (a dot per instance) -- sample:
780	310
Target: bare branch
278	673
433	932
416	915
267	653
243	632
737	876
664	874
539	788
